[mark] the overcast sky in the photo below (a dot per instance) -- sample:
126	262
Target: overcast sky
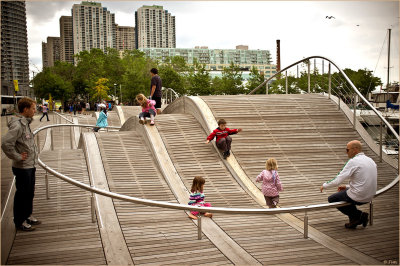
301	26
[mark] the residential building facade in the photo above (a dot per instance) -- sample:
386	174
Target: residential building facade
66	40
155	27
52	51
217	59
93	26
125	38
14	49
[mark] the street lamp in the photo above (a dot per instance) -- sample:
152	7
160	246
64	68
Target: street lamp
115	90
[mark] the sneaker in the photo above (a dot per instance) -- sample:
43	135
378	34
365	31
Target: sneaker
152	123
33	221
364	219
228	153
141	121
26	227
225	154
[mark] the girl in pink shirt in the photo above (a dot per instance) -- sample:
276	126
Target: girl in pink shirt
148	109
271	185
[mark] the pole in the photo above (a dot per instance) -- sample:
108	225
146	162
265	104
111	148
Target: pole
329	80
266	88
199	227
308	69
380	142
388	68
120	92
355	111
286	82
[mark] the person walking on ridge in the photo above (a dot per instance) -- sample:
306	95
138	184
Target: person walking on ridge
155	89
19	145
362	172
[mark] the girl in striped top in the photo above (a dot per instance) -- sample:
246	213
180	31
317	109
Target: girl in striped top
196	197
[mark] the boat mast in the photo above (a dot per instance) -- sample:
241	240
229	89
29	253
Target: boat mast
388	66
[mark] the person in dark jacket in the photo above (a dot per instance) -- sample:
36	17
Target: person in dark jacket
19	145
223	140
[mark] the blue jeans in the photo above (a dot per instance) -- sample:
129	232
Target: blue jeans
351	210
147	114
25	191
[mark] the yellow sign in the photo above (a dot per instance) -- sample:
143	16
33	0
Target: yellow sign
16	85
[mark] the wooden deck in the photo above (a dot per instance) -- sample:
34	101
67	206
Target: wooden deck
307	135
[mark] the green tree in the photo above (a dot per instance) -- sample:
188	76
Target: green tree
136	78
232	81
256	78
173	74
47	82
199	80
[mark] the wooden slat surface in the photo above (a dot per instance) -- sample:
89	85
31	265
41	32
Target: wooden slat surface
307	135
67	234
153	235
184	139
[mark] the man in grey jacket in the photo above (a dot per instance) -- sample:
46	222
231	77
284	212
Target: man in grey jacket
362	172
19	145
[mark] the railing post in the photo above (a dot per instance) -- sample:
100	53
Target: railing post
52	139
308	75
71	131
266	88
92	207
355	111
339	102
46	179
305	224
371	213
329	80
380	141
286	80
199	227
38	142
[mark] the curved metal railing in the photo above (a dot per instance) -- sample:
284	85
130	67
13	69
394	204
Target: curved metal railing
256	211
347	79
169	95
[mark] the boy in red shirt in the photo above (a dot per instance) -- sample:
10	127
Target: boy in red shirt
223	140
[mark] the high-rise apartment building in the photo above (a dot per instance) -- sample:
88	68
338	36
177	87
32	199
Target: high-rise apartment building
66	40
52	51
45	62
93	26
14	48
155	28
125	38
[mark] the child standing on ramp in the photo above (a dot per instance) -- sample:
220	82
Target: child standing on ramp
271	185
148	109
196	197
223	139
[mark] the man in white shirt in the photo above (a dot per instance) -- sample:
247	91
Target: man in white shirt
362	172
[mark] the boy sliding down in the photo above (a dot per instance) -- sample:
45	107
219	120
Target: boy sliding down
223	139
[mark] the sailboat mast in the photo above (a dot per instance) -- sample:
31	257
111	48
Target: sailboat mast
388	66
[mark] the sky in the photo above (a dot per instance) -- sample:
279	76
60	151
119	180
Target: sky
356	38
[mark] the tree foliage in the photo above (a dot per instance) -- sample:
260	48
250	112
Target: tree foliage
129	74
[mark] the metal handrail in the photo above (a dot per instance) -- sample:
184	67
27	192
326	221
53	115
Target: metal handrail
256	211
64	117
347	79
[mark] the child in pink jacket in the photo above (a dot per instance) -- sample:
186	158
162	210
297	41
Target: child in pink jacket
271	185
148	109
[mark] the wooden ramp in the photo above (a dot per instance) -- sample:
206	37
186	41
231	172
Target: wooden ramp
153	235
67	234
184	139
307	135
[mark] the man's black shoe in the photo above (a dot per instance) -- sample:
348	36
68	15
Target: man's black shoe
352	224
228	153
225	154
